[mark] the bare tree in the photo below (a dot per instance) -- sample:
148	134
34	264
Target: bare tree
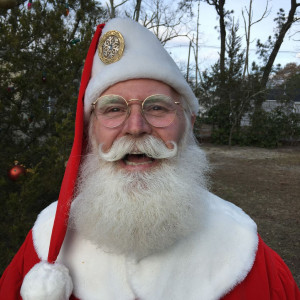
188	63
164	21
290	70
137	10
248	23
196	49
219	7
111	7
285	26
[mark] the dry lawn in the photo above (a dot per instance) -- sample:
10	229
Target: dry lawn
266	185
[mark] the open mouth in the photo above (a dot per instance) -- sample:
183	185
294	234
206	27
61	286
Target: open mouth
136	159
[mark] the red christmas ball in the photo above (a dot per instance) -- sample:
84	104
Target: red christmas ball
15	172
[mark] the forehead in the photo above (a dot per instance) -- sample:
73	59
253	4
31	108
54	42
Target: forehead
140	89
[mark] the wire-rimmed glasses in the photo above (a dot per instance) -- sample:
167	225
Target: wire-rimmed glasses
113	110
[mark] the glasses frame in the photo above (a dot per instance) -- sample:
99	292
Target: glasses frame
142	110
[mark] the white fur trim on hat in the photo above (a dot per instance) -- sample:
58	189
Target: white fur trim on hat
143	57
47	281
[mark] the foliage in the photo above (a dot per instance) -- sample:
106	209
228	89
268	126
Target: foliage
264	49
292	86
272	128
42	54
228	96
269	130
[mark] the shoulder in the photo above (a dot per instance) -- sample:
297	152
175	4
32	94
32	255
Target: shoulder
13	275
269	278
229	210
42	230
281	282
229	224
266	276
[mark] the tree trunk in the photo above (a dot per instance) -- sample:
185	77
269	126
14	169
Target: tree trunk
247	33
219	7
223	38
137	10
112	10
286	26
188	64
197	46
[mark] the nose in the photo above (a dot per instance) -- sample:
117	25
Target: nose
136	124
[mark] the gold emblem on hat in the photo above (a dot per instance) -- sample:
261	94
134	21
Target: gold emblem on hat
111	47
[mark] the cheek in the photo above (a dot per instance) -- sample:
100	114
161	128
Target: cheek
180	131
181	126
103	135
175	131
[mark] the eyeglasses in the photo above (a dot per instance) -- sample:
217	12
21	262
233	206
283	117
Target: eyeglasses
113	110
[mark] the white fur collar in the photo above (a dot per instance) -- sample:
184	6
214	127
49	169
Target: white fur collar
205	265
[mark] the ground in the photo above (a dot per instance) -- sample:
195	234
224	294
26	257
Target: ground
265	183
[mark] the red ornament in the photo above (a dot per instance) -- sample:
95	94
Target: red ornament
30	118
67	9
15	172
44	77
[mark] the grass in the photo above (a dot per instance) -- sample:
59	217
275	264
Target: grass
266	185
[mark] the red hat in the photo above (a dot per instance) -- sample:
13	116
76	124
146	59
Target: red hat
50	280
70	177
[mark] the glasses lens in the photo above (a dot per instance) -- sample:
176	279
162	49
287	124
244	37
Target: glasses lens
111	110
159	110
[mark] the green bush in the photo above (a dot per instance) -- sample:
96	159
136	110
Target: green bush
270	129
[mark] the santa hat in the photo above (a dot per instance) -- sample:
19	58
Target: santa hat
126	50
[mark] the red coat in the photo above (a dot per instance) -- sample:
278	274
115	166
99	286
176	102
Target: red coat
269	277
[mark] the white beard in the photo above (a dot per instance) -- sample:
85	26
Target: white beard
139	213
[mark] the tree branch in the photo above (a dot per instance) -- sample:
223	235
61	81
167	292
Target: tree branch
284	29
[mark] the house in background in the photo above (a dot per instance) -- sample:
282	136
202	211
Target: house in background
278	98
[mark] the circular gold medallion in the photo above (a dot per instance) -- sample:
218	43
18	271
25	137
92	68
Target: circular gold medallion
111	47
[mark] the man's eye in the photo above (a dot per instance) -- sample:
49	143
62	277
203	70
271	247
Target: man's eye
113	110
156	109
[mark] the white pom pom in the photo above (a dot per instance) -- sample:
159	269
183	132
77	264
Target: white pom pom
47	281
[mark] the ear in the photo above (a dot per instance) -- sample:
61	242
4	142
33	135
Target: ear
193	119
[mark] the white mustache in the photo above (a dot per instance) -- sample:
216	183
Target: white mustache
151	146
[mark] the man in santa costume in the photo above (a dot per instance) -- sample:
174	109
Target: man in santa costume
135	219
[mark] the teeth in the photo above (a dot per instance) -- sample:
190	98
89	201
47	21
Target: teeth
130	163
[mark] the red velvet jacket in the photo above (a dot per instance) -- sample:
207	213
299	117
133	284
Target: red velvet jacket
269	278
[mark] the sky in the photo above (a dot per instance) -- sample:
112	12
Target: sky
210	43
